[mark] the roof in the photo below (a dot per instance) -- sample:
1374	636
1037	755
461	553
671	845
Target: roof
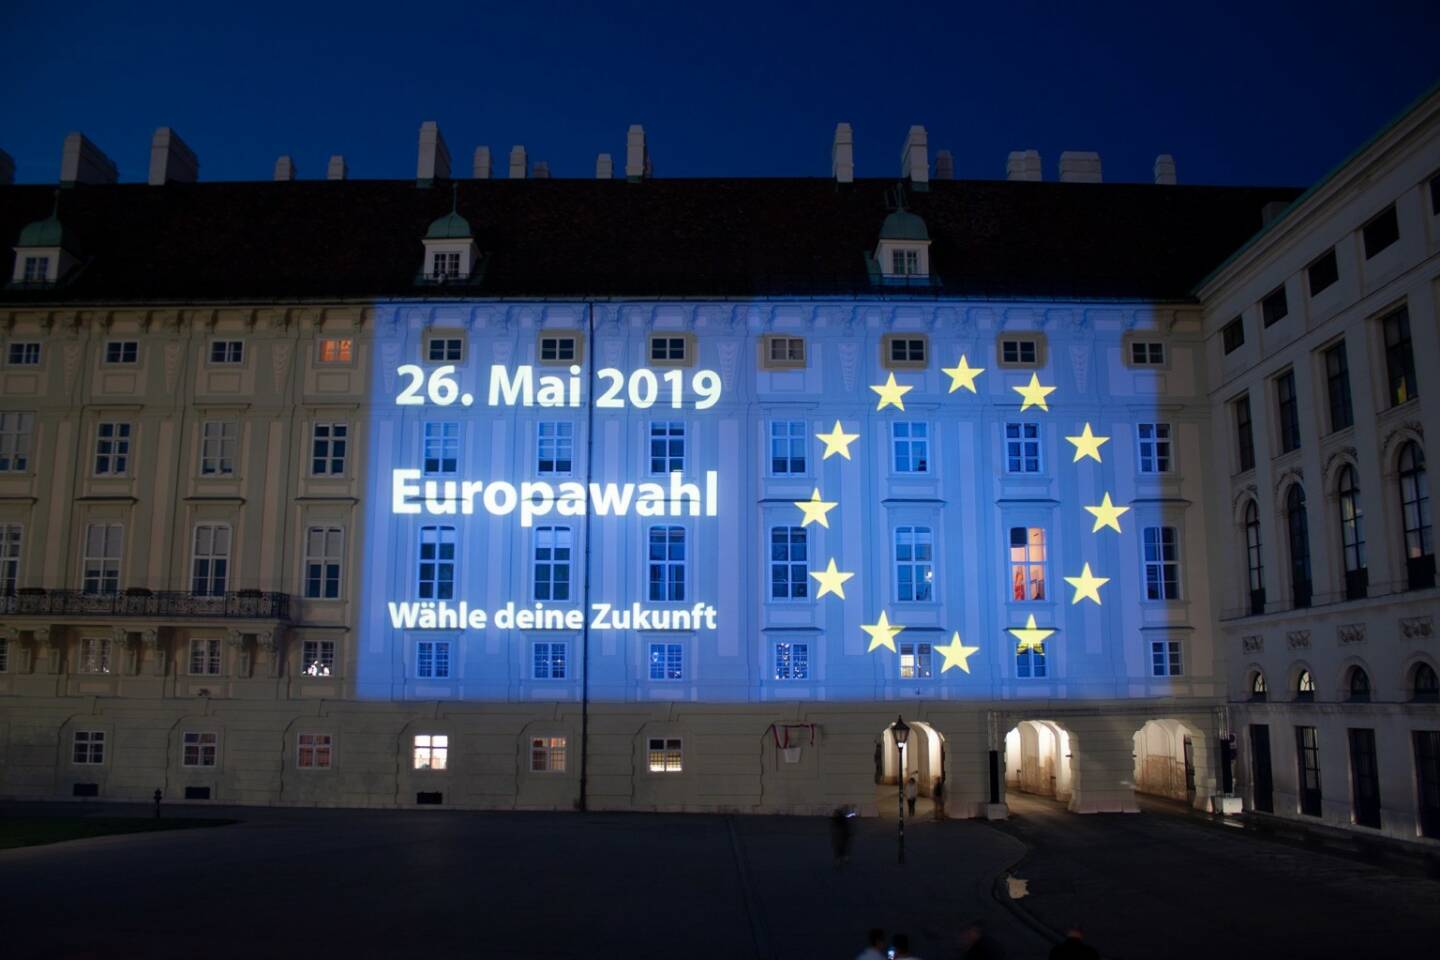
43	233
452	226
903	225
682	238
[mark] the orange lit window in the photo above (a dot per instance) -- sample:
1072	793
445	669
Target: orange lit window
336	350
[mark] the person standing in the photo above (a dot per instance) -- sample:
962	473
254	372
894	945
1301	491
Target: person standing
1074	947
938	795
876	950
912	791
840	837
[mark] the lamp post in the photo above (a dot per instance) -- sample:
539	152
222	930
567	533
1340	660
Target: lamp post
901	730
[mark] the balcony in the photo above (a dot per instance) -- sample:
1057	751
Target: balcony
148	604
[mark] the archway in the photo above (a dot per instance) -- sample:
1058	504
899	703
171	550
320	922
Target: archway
923	759
1037	759
1173	760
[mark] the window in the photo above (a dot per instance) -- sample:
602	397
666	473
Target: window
15	429
227	351
1030	663
1289	406
1425	684
1165	659
559	349
444	349
37	269
437	563
431	750
1257	686
336	350
1027	563
1352	534
1022	447
792	661
667	564
905	263
95	654
1307	756
915	661
1233	335
1415	515
789	563
1297	525
1364	777
1162	563
1435	195
549	660
555	447
1244	434
199	749
667	446
324	550
1154	447
327	449
112	449
217	447
211	567
1337	381
313	751
89	747
787	447
1399	358
432	659
24	355
1020	352
1304	686
1253	561
665	755
911	442
122	351
441	447
904	351
1357	685
670	350
205	656
914	564
1274	307
667	661
1381	231
1147	353
101	565
4	655
445	265
1323	272
552	563
11	535
547	754
783	352
317	658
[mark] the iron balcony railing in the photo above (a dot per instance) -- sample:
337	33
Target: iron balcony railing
240	604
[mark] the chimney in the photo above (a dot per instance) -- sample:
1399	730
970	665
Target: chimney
1080	166
284	168
433	162
482	163
1023	165
637	157
842	154
338	169
83	162
7	169
944	166
541	170
604	167
1165	170
517	162
170	160
915	159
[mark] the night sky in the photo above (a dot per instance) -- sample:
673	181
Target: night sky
1244	93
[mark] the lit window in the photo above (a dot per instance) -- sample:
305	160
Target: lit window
792	661
227	351
95	654
667	446
328	444
432	659
11	535
1027	563
1275	307
559	349
1165	659
915	661
1352	533
1304	685
1154	447
336	349
445	266
317	658
1381	232
1162	564
199	749
1399	358
554	447
666	755
550	660
552	563
547	754
313	751
89	747
789	563
1257	686
787	447
218	442
914	564
667	564
1021	353
1022	447
667	661
436	576
1147	353
444	349
24	354
211	568
911	442
442	447
100	566
324	550
431	751
122	351
205	656
112	449
669	349
784	351
1415	517
1030	663
37	269
15	430
4	655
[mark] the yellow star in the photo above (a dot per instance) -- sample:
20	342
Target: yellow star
962	376
1034	394
1087	445
891	394
815	509
831	580
1030	637
956	654
1107	515
837	441
1086	585
882	634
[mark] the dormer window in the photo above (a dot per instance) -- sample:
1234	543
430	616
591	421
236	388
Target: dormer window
450	252
45	252
445	265
905	263
37	269
902	256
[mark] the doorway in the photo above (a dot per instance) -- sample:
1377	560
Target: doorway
1262	781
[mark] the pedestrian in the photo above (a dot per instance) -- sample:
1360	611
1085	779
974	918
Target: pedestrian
979	945
876	949
938	795
840	835
900	948
1074	947
912	790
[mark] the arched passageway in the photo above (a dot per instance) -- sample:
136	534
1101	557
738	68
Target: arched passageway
923	759
1165	760
1038	759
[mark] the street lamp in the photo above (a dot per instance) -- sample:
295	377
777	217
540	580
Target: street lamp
901	730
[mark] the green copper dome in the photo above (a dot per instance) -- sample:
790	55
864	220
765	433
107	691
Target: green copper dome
43	233
903	225
452	226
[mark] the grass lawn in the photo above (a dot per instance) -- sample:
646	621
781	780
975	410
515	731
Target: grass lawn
32	831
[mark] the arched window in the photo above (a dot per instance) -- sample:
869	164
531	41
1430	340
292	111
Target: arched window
1304	686
1298	527
1415	513
1257	685
1424	684
1252	558
1358	685
1352	534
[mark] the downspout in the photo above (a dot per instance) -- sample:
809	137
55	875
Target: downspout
585	589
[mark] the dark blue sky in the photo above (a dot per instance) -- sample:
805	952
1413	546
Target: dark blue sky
1244	92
